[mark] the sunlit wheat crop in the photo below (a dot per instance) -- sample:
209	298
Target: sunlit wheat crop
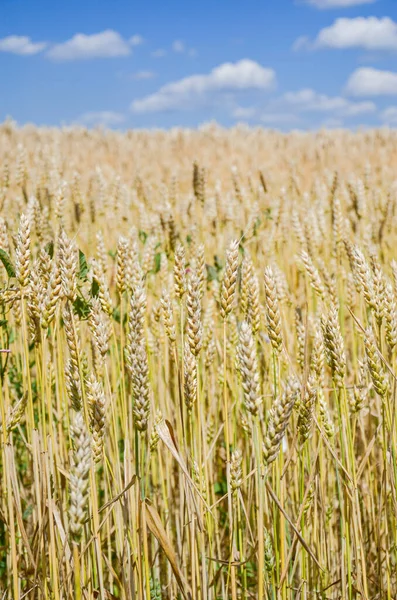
198	367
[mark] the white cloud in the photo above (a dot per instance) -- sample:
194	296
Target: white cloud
160	53
178	46
244	112
389	115
332	123
106	44
323	4
106	118
308	100
367	81
370	33
20	44
301	43
198	89
143	75
270	118
136	40
294	106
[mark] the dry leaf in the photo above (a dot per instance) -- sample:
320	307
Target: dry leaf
155	525
166	434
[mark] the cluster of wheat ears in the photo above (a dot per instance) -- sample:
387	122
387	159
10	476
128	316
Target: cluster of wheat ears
198	367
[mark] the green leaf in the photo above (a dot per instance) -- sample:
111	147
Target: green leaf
116	315
3	323
94	288
220	487
7	263
81	307
212	273
83	266
142	236
49	248
157	263
218	263
28	511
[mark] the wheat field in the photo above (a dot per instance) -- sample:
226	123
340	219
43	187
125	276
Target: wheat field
198	366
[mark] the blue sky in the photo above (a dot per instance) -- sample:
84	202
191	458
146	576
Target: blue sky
277	63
